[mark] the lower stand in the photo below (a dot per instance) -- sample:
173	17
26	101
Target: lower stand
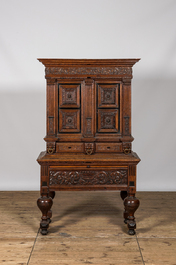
49	214
131	204
44	203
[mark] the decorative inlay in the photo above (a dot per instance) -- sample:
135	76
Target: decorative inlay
88	70
51	124
89	125
88	177
126	118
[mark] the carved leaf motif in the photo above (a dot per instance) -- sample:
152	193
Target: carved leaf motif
88	177
89	70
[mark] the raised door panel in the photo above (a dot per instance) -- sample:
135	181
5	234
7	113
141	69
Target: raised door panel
69	96
108	120
69	120
108	95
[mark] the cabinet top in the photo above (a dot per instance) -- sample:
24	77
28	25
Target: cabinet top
88	62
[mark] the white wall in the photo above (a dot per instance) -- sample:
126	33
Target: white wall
87	29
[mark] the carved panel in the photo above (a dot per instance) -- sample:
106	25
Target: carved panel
108	96
88	71
69	96
88	177
69	120
107	120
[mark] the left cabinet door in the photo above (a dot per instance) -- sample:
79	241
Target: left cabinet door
69	107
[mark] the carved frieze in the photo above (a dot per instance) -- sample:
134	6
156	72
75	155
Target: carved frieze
88	70
88	177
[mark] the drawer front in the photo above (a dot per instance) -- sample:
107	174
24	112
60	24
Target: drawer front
69	147
108	147
88	177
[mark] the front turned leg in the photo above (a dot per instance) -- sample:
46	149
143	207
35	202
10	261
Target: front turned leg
44	203
131	204
49	214
123	195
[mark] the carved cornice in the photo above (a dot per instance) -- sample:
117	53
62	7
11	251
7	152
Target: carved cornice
88	71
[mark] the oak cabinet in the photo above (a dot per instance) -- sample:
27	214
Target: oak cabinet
88	139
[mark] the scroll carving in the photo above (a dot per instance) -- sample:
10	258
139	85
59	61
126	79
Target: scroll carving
88	70
88	177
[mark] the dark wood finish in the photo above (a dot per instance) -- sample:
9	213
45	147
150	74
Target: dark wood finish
88	140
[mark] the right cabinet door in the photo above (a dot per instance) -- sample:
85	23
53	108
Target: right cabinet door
108	107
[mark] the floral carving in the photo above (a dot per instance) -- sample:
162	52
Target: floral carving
88	70
88	177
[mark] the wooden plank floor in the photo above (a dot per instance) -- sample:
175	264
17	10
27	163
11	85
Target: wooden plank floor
87	228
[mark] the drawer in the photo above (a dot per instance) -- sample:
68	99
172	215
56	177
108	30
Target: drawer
108	147
79	176
69	147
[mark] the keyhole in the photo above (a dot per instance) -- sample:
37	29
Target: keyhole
69	120
69	95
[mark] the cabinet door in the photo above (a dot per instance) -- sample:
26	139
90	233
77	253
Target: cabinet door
108	107
69	107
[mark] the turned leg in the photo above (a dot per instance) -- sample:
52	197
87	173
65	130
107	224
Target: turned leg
123	195
44	203
49	214
131	204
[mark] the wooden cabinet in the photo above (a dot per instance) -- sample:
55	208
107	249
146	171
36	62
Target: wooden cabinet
88	140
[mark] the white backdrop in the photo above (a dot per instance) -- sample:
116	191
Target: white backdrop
87	29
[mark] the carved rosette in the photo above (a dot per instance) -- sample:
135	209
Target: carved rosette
88	177
88	71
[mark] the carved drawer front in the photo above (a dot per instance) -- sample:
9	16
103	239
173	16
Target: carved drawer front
108	147
108	120
69	147
69	96
108	95
69	120
88	177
